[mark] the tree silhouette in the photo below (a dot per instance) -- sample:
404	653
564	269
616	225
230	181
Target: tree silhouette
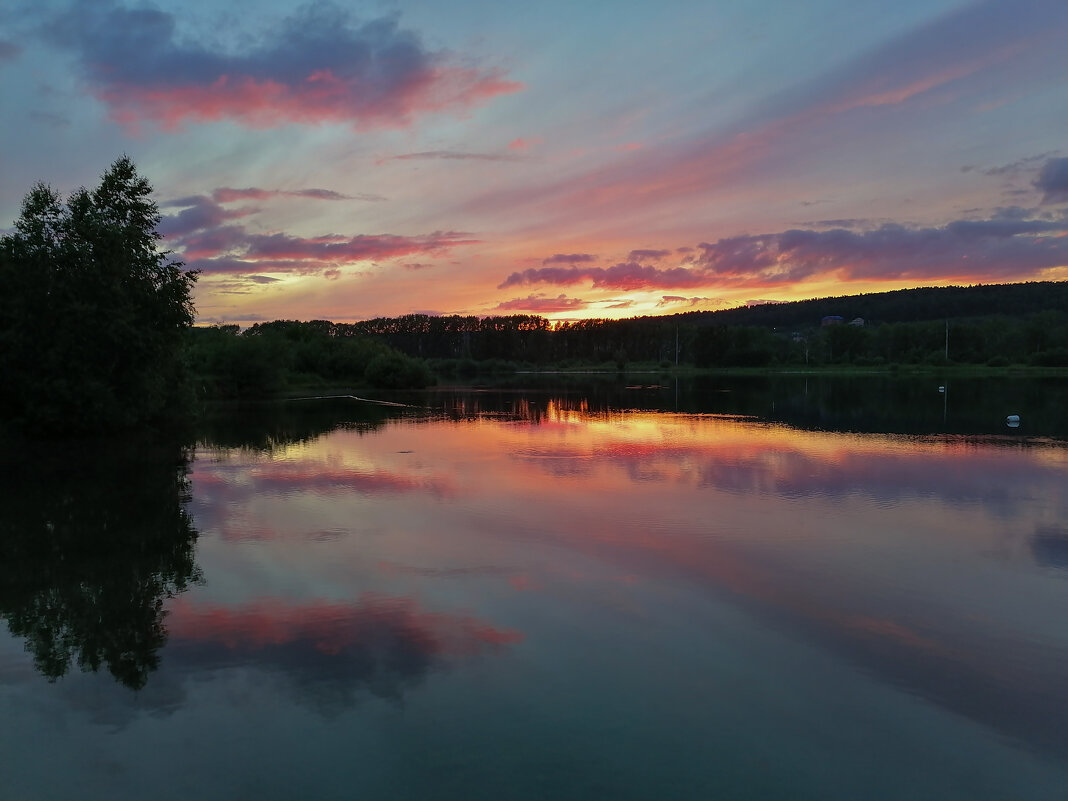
93	538
92	313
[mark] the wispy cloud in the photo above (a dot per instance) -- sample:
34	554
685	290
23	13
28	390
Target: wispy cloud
199	213
651	255
237	251
1009	246
622	276
331	652
227	194
317	66
679	300
541	304
203	235
958	54
1052	181
569	258
456	155
1015	167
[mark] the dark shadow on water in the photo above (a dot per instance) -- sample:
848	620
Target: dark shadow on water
274	424
94	537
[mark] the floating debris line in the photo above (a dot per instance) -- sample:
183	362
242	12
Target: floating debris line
357	398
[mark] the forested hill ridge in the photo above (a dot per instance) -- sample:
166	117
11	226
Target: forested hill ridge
996	325
898	306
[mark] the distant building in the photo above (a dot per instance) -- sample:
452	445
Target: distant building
857	321
832	319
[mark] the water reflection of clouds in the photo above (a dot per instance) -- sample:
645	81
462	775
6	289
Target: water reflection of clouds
319	479
464	571
323	655
782	463
632	494
227	493
331	652
959	491
953	662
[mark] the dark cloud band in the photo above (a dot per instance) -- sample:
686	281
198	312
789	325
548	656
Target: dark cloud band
318	66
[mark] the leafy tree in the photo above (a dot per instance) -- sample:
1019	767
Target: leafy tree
397	371
92	316
88	557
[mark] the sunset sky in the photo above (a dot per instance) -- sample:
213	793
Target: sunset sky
348	160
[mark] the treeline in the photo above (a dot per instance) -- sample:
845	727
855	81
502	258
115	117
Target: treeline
408	352
996	325
268	357
899	306
1038	339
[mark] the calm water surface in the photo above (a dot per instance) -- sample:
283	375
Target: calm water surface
744	589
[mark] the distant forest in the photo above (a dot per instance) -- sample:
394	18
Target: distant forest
997	325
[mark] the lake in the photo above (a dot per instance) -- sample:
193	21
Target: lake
790	587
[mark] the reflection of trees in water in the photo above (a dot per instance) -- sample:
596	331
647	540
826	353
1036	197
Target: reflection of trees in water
905	404
270	425
93	538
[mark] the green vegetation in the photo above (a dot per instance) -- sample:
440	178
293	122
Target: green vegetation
990	326
285	354
989	329
92	313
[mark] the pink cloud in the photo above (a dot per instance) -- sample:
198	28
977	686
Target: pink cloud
332	627
652	255
522	143
227	194
363	247
569	258
541	304
677	300
625	276
321	99
1000	247
318	479
316	67
232	249
453	155
377	644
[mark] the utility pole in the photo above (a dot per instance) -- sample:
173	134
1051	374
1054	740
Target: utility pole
947	339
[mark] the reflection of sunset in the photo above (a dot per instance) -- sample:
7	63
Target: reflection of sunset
333	627
788	526
328	653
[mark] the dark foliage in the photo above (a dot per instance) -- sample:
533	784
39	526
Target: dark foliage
1005	324
94	537
92	313
229	363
